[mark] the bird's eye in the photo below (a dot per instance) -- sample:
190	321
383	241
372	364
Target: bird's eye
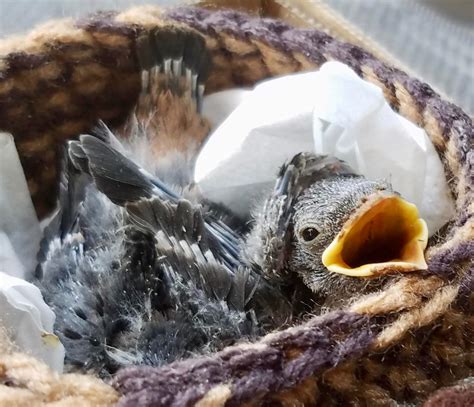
309	234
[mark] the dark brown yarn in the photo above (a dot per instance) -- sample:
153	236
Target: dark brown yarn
429	358
55	97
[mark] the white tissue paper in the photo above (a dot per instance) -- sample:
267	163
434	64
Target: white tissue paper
379	143
330	111
29	321
217	106
8	259
18	219
23	313
242	156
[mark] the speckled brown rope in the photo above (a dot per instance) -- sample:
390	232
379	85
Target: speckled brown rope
397	345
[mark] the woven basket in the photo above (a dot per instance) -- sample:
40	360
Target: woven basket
395	346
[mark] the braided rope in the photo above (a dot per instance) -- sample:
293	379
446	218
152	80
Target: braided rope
276	363
78	72
25	381
404	294
417	318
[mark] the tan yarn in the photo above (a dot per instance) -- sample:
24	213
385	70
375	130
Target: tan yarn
406	293
417	318
217	396
358	382
383	377
25	381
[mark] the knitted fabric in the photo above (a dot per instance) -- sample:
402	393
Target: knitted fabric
460	395
398	345
25	381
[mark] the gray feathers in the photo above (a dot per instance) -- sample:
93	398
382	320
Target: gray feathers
118	178
142	274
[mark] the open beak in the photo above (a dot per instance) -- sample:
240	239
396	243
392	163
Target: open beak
384	235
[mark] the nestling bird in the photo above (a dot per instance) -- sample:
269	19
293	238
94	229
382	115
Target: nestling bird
334	231
140	270
135	273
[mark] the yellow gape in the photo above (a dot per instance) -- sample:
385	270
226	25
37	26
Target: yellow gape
384	235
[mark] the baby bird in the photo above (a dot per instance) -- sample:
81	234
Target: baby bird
135	273
140	270
334	231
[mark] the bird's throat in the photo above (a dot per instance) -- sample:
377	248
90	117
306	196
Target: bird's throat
384	235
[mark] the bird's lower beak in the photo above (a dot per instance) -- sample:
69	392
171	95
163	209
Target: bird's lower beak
384	235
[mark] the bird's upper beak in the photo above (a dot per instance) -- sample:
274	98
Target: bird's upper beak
384	235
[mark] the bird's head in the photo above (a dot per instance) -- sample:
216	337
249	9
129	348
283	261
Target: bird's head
336	230
347	227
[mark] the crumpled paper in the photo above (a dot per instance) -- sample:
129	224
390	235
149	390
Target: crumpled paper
379	143
29	321
23	313
240	160
216	107
330	111
18	219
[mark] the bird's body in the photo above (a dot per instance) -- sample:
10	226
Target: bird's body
135	272
140	270
128	288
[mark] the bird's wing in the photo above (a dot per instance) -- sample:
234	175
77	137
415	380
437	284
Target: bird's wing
187	254
174	62
123	181
191	241
181	240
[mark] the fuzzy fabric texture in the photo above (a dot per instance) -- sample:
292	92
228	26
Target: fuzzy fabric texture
78	72
238	374
25	381
460	395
